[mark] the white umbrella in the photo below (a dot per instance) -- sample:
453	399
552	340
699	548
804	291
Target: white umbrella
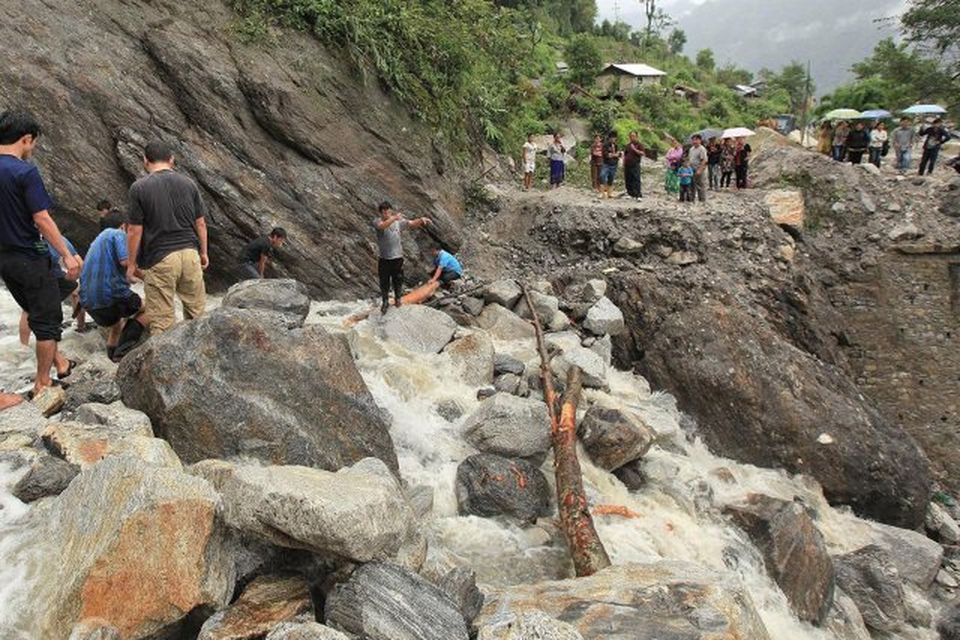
925	110
737	132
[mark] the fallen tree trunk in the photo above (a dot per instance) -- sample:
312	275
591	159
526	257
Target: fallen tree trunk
586	549
417	296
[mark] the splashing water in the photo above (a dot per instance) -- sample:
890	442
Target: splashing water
679	509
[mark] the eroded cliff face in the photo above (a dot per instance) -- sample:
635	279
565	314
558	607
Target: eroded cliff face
289	133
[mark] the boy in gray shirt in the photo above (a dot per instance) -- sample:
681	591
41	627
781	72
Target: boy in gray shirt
390	264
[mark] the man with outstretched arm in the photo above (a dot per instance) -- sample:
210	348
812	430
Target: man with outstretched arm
167	239
388	225
24	256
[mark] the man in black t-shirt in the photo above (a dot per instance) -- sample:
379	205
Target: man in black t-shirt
257	254
166	214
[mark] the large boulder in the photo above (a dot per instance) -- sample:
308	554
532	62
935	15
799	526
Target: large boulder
86	445
503	292
489	485
545	305
417	328
509	426
385	602
358	513
638	602
503	324
235	383
613	437
591	364
138	546
793	551
915	556
870	578
48	476
265	603
761	400
286	298
92	381
604	318
786	207
474	354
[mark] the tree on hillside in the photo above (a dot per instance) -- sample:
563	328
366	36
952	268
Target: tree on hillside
569	16
730	75
705	60
676	41
793	80
934	25
657	21
583	57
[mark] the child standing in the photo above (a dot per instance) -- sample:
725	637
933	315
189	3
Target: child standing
685	174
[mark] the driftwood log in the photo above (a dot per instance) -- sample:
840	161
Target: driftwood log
586	549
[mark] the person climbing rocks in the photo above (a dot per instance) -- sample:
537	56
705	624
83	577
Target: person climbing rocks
936	134
611	158
858	141
557	154
698	159
167	239
389	225
447	268
105	292
632	158
903	139
67	289
257	254
25	222
529	161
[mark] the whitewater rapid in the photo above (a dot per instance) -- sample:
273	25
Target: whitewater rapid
679	509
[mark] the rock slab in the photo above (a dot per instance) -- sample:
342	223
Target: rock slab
417	328
286	298
870	578
265	603
509	426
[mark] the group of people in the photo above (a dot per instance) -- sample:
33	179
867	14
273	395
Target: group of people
694	170
849	144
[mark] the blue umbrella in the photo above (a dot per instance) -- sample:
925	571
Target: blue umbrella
925	109
876	114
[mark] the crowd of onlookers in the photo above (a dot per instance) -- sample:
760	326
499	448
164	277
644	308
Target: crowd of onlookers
846	143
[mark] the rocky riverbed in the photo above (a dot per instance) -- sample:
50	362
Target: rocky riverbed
427	509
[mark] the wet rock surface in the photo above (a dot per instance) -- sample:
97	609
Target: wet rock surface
870	578
48	476
509	426
284	297
489	485
612	437
417	328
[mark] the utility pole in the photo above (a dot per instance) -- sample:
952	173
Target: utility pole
806	107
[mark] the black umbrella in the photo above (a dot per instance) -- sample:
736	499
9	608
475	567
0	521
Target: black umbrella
705	134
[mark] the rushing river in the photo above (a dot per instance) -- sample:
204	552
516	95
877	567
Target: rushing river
679	508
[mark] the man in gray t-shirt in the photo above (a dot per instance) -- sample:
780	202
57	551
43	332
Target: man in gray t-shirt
903	138
698	160
388	226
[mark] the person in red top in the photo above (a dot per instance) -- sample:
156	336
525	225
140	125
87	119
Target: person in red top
632	156
596	161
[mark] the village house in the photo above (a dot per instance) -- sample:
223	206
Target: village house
623	79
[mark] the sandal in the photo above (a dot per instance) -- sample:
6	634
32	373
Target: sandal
30	395
71	364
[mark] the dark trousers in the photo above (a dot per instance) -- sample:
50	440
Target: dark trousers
742	175
855	156
33	286
633	180
838	150
929	159
248	271
713	171
391	274
686	192
446	277
725	178
875	154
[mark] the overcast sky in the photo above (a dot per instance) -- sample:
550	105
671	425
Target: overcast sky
753	34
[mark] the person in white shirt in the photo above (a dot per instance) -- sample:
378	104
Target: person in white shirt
878	140
529	162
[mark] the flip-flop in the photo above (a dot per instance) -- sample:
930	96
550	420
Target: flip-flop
30	395
70	366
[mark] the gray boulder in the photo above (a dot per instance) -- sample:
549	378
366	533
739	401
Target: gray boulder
593	290
488	485
507	383
941	524
844	620
92	381
358	513
503	292
24	418
916	557
233	383
48	476
86	445
472	305
304	631
385	602
505	363
116	416
266	602
793	550
949	624
474	355
509	426
593	367
531	625
613	438
632	475
460	585
503	324
604	318
870	578
603	347
545	305
417	328
286	298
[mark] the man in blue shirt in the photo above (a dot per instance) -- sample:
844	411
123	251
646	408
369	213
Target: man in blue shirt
446	267
104	290
24	260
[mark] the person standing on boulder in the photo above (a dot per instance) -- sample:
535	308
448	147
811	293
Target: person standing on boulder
388	226
936	134
256	255
632	157
698	160
25	222
167	239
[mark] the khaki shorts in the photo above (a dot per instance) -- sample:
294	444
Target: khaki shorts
179	273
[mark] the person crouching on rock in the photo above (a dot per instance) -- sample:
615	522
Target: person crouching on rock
388	226
105	292
167	239
447	268
256	255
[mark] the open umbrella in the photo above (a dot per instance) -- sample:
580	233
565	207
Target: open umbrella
705	134
925	110
842	114
876	114
737	132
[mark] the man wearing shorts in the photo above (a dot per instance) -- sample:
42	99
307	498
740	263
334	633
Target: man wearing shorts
104	290
24	258
167	235
66	287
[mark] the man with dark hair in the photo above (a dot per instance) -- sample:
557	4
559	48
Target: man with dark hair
167	239
446	267
103	208
698	162
257	254
388	226
632	156
24	257
105	292
936	134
